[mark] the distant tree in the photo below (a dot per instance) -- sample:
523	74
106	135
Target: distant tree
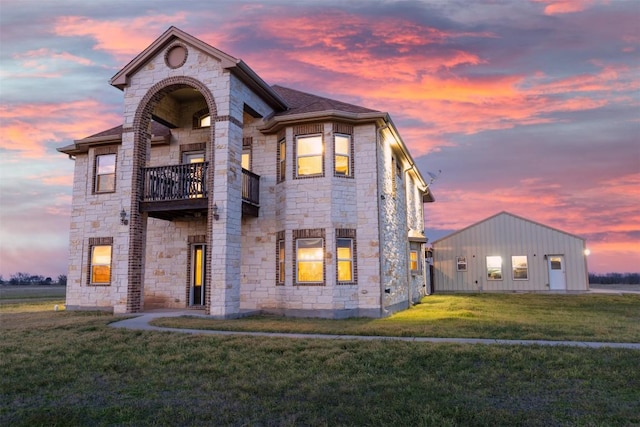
62	280
615	278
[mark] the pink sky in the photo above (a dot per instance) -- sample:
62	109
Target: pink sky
526	106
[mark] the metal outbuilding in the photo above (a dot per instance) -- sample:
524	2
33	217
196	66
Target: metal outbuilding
508	253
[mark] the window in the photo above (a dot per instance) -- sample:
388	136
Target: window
310	260
461	263
309	155
105	173
413	261
494	267
344	249
100	264
193	176
282	155
201	119
246	159
280	257
342	148
520	267
205	121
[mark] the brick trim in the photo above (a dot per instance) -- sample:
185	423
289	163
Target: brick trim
348	233
312	233
138	221
280	239
99	241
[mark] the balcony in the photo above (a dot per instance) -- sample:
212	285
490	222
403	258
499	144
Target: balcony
180	191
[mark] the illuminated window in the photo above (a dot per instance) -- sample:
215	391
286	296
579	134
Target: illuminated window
520	267
100	264
461	263
310	260
309	155
105	181
282	155
205	121
494	267
246	159
280	254
201	119
342	155
344	249
413	261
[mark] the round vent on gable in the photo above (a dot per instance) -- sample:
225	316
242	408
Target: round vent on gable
176	56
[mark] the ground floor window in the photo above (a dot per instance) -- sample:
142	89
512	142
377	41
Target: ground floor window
280	258
461	263
494	267
309	257
100	251
520	267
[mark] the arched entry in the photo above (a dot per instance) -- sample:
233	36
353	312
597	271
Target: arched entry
140	153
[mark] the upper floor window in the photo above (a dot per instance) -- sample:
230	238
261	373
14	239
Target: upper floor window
201	119
309	155
282	156
342	149
205	121
105	173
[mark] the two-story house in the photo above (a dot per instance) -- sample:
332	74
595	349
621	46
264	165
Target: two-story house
222	193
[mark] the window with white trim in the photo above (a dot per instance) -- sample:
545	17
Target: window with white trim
461	263
494	267
520	267
342	155
309	155
105	173
344	250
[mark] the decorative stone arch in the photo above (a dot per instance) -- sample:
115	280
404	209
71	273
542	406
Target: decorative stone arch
141	144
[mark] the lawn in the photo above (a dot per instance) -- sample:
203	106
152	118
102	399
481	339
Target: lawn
70	368
587	317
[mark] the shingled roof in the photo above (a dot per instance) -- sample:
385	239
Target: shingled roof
302	102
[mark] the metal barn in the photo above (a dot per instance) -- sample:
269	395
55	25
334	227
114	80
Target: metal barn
508	253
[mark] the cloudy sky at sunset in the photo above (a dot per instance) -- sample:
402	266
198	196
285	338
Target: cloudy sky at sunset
528	106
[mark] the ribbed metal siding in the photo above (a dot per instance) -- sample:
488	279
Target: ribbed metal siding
506	235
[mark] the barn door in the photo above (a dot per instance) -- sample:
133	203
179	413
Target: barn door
557	277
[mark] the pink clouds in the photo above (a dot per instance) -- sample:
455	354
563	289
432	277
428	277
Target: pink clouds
554	7
27	128
123	38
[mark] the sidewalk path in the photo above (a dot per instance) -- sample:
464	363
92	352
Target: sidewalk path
142	323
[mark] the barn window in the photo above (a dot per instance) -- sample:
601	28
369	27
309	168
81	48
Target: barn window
520	267
461	263
494	267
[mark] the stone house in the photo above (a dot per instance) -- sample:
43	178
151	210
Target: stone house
222	193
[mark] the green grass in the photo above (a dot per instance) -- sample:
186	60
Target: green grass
589	317
12	293
71	368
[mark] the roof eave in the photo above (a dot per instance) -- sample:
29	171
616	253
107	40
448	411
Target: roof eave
275	123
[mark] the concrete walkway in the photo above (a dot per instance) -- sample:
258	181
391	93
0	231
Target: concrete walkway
141	322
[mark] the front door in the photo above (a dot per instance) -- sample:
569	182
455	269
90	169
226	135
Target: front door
196	290
557	280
